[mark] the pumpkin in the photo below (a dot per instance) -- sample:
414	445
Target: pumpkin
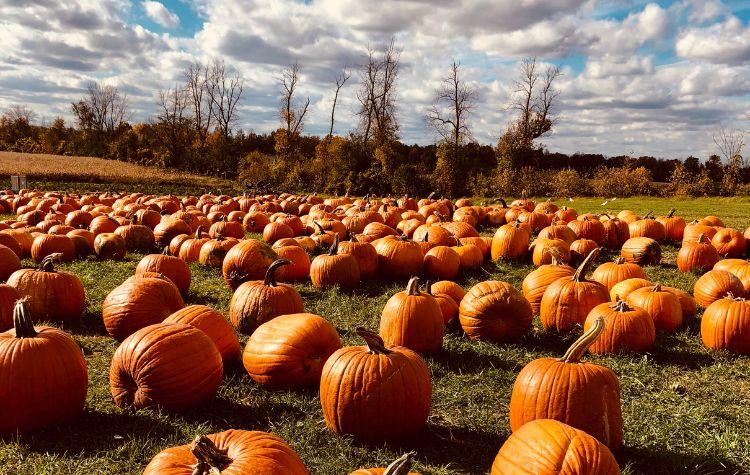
9	262
699	255
110	246
364	253
399	258
289	351
471	255
587	227
214	325
47	244
449	288
258	301
255	221
611	273
138	238
662	306
168	228
448	306
687	302
228	229
272	232
229	452
694	229
434	234
375	393
674	226
729	242
544	250
621	290
139	302
213	251
332	268
716	284
400	466
495	311
248	260
579	249
616	232
173	268
52	296
170	365
549	447
566	214
412	319
299	267
8	297
738	267
725	325
537	281
642	251
626	328
10	242
511	241
567	301
442	262
103	224
583	395
190	248
44	376
558	231
648	227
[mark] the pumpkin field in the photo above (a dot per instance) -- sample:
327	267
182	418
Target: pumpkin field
358	330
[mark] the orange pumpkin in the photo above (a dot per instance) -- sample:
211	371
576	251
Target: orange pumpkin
9	262
662	306
544	250
698	255
110	246
299	267
214	325
611	273
725	325
674	226
364	253
399	258
47	244
412	319
441	262
248	260
495	311
400	466
625	328
716	284
642	251
537	281
648	227
729	243
332	268
449	288
173	268
511	241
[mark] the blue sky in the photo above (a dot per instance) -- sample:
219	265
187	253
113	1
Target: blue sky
649	78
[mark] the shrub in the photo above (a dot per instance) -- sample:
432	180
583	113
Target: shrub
622	182
569	182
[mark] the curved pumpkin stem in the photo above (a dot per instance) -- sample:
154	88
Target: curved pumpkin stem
579	347
580	275
412	287
671	212
47	264
505	205
648	215
22	322
621	306
335	246
702	239
400	466
270	278
210	458
374	343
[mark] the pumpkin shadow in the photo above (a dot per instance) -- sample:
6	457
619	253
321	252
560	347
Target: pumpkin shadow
670	351
463	361
658	460
550	342
253	415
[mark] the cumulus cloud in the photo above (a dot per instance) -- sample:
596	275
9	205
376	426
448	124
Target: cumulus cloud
727	42
161	14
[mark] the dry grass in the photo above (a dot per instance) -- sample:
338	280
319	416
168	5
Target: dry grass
58	168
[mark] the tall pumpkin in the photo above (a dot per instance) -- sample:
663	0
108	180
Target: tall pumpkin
170	365
699	255
674	226
366	255
580	394
495	311
412	319
44	376
375	393
214	325
725	325
399	258
289	351
511	241
258	301
663	307
332	268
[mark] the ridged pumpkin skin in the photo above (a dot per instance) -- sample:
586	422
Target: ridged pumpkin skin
289	351
611	273
549	447
583	395
642	251
375	393
366	255
248	260
8	297
110	246
511	241
698	255
173	268
53	296
495	311
626	329
450	288
729	243
663	307
139	302
648	227
716	284
212	323
399	258
44	376
171	365
725	325
332	268
621	290
258	301
738	267
537	281
674	226
236	452
442	262
413	319
299	269
47	244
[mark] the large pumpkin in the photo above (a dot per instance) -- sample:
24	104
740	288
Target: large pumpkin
171	365
583	395
625	328
716	284
332	268
53	296
648	227
550	447
44	376
248	260
8	297
173	268
642	251
495	311
729	242
725	325
212	323
375	393
289	351
258	301
663	307
9	262
139	302
47	244
511	241
738	267
229	452
412	319
699	255
399	258
442	262
366	255
674	226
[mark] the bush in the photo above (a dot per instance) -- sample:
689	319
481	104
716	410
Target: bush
622	182
570	183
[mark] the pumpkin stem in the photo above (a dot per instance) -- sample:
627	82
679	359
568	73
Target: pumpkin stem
656	288
702	239
579	347
270	278
22	322
671	212
47	264
400	466
375	344
505	205
580	275
412	288
648	215
621	306
619	260
210	458
335	246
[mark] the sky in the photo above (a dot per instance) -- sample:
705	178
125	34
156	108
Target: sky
641	78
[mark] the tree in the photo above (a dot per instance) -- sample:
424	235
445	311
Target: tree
340	81
19	114
224	92
730	143
292	115
196	84
102	109
172	128
376	96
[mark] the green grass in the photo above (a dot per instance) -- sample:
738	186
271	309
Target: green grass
685	408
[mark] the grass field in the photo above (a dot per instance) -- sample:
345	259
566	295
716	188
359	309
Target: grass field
685	408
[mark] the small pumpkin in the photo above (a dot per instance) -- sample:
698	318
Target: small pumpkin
110	246
537	281
621	290
9	262
366	255
442	262
544	250
579	249
674	226
729	242
412	319
611	273
399	258
400	466
332	268
449	288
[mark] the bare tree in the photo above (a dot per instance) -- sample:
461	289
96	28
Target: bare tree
377	111
196	84
102	109
534	98
454	102
173	130
340	81
17	113
292	116
224	93
730	143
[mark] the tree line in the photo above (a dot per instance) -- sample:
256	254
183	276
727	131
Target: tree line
195	129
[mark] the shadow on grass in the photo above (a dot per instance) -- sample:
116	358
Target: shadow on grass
463	361
664	461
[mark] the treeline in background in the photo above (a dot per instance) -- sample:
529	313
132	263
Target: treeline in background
195	131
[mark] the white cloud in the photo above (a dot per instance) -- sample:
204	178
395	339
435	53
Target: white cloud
161	14
727	42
